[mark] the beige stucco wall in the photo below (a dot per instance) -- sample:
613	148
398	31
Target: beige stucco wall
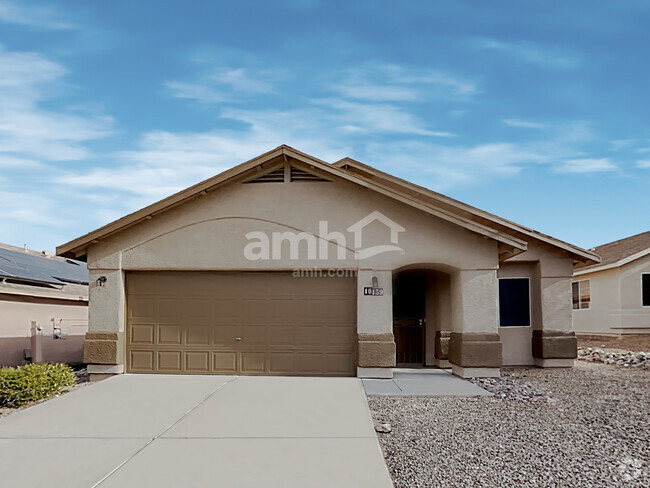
517	341
550	270
602	315
437	310
634	317
209	233
616	306
15	328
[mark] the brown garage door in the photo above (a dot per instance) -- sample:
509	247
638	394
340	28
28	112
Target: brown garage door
240	323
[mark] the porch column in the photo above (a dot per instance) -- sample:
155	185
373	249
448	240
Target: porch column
475	345
104	344
555	343
376	347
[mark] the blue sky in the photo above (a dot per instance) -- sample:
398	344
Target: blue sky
535	111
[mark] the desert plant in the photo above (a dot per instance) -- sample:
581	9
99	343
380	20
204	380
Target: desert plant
33	382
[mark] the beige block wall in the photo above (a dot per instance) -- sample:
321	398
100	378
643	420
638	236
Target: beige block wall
437	310
601	317
474	301
616	306
517	341
634	317
15	330
209	233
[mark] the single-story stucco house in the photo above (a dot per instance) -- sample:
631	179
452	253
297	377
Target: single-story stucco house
288	265
613	296
49	292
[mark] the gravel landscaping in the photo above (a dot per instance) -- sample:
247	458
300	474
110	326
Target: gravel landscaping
588	426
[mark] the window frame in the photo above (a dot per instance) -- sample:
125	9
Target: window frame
580	307
530	303
641	289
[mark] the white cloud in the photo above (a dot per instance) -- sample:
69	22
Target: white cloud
391	83
27	130
375	117
529	52
643	163
32	16
240	80
195	91
447	166
523	123
224	85
586	165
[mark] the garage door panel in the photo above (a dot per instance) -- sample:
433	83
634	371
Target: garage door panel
282	363
281	335
142	334
170	361
189	322
253	362
340	336
169	335
197	362
197	335
339	364
224	335
310	336
142	307
253	335
141	361
224	362
310	363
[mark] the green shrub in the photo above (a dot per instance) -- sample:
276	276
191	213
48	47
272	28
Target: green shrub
33	382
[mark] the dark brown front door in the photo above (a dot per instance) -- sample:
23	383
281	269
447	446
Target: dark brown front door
408	319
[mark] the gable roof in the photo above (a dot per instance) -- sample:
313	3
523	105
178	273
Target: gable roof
472	213
510	243
618	253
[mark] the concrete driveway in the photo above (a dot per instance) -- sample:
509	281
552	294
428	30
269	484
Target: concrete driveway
197	431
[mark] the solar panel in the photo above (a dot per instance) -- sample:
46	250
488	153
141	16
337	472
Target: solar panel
18	265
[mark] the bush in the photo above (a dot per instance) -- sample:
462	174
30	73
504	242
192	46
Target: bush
33	382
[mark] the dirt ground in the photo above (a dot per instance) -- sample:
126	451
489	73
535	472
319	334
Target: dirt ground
632	342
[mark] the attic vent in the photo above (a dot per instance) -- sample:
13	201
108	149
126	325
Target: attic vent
300	175
275	176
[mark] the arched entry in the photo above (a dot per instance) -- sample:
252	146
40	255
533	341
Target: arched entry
421	314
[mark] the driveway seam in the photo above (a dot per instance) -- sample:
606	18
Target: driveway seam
152	439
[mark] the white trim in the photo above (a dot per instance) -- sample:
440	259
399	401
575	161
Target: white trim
617	264
530	304
642	305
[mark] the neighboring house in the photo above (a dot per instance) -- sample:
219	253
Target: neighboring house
288	265
50	291
613	296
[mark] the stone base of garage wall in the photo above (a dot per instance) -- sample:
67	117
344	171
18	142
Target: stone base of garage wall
376	355
441	348
554	348
102	354
474	354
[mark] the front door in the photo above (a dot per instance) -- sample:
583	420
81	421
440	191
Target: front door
409	319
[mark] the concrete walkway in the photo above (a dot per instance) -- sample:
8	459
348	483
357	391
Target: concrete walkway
423	382
197	431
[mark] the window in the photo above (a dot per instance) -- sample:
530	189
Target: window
581	294
514	302
645	289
